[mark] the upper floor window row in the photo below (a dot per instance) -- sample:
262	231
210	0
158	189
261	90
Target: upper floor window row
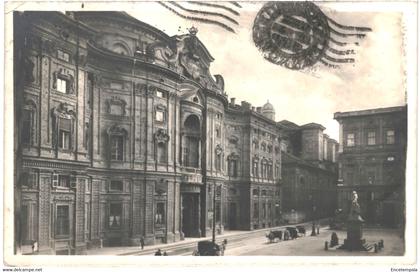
371	138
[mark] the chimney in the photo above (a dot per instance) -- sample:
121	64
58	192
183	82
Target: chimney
253	108
245	105
232	101
259	109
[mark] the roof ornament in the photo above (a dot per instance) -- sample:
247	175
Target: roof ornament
193	30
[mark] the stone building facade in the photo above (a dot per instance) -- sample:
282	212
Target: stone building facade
121	132
372	160
309	172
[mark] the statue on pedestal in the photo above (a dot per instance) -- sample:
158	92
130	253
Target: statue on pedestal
354	214
354	239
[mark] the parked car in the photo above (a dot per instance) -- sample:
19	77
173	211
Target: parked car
273	234
208	248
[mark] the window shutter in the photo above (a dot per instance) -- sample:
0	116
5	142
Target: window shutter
55	180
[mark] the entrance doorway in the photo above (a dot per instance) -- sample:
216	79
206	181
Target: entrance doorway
190	215
232	215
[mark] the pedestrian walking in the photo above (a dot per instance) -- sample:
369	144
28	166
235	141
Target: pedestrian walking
165	254
142	242
158	252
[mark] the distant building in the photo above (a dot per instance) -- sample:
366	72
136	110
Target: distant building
372	160
309	172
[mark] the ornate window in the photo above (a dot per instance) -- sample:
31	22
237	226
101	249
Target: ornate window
115	215
255	167
233	161
263	147
117	147
62	220
64	181
264	169
390	136
160	213
161	143
63	81
64	133
191	141
28	124
63	136
117	138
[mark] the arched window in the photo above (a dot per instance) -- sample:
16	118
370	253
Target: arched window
191	142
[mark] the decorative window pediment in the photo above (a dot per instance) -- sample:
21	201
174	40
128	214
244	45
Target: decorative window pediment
233	139
64	110
116	106
218	149
161	136
117	130
233	156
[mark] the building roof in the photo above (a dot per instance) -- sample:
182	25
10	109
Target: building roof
340	115
288	124
312	126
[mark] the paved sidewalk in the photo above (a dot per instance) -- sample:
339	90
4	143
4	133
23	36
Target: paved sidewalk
149	250
128	250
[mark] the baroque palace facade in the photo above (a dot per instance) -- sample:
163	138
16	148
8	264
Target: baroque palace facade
122	132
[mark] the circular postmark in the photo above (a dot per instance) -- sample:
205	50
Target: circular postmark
292	34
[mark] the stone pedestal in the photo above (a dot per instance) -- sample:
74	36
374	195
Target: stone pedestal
354	241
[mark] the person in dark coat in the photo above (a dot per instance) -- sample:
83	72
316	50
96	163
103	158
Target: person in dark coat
142	242
158	252
165	254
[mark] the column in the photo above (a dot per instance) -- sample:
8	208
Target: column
79	220
44	229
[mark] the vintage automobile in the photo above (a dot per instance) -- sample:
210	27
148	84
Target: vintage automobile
293	232
273	234
301	229
208	248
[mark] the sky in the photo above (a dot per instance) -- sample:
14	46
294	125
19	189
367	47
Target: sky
375	80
